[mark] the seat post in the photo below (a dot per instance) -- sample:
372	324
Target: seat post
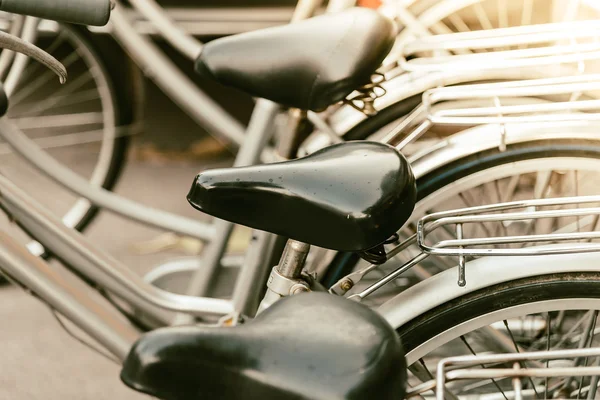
293	259
286	278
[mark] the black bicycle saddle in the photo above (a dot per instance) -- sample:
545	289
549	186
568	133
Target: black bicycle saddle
310	64
310	346
348	197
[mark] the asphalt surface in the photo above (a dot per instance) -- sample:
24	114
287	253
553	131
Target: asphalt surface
39	360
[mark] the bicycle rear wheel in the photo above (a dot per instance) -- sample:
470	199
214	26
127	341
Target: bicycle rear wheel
532	314
85	124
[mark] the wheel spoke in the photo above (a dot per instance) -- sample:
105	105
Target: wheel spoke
482	17
502	13
69	139
593	388
420	370
548	329
509	193
33	86
468	203
540	191
464	340
59	120
589	339
65	100
573	329
522	364
526	12
458	23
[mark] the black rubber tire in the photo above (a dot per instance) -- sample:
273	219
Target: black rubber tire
497	297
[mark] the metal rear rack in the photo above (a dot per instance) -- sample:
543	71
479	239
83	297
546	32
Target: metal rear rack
530	111
498	366
575	237
528	211
571	238
563	42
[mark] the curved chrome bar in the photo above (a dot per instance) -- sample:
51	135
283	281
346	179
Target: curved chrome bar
529	90
77	251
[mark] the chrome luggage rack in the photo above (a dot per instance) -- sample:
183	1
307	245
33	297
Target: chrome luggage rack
562	42
575	237
497	367
528	211
561	99
531	109
565	47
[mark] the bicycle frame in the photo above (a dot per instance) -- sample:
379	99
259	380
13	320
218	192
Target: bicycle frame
81	255
70	298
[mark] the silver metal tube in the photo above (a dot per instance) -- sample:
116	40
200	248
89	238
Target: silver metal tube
399	130
178	38
388	278
560	201
293	259
529	372
253	275
64	176
69	297
75	249
593	388
549	237
175	83
260	129
513	216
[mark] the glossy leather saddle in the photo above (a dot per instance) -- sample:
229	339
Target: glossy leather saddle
310	64
348	197
309	346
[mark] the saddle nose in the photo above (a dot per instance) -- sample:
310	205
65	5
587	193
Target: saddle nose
348	197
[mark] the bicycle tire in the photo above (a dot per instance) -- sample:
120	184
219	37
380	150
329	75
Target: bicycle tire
583	285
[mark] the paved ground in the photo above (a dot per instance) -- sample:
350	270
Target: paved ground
38	359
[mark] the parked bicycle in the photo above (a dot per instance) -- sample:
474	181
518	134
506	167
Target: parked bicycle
357	215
